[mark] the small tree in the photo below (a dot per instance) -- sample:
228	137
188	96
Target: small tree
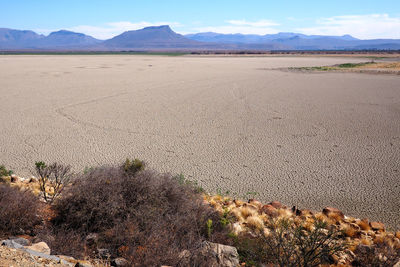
55	176
60	176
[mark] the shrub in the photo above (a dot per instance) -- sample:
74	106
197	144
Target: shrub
381	254
19	211
55	176
133	166
146	217
291	245
4	172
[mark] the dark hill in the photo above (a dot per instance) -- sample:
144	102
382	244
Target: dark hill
67	39
15	39
159	37
163	38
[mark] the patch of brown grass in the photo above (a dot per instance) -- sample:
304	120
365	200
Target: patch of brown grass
392	66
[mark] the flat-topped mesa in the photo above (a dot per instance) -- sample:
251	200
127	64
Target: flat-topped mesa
160	27
155	36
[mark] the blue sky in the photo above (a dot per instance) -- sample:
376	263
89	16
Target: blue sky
103	19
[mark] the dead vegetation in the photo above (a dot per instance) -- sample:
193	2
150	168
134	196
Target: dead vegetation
153	219
19	212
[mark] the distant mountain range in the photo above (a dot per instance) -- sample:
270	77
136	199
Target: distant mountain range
163	38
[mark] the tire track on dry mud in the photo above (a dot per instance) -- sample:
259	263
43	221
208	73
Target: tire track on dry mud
75	120
61	112
239	97
165	96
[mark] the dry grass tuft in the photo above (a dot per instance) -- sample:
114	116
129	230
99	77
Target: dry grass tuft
255	222
364	225
351	232
379	239
248	211
366	241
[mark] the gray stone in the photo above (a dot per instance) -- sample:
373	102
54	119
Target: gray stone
15	245
226	256
213	254
20	240
11	244
42	255
41	247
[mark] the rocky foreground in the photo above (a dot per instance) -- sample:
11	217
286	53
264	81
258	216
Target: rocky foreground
254	218
251	218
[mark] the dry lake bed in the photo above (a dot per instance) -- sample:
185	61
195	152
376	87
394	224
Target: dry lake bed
231	123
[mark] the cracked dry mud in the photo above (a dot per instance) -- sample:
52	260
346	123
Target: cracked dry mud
231	123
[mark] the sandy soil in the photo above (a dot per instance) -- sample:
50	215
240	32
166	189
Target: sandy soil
305	139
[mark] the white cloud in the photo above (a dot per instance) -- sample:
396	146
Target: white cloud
260	23
361	26
111	29
242	26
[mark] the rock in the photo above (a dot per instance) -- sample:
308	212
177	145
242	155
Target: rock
296	211
276	204
213	254
333	213
41	247
398	234
20	240
19	257
14	178
306	212
119	262
33	179
238	202
256	203
224	256
269	210
83	264
377	226
397	264
11	244
41	255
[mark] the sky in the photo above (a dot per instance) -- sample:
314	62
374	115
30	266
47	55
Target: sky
103	19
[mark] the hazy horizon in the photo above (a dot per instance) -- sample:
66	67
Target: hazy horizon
103	20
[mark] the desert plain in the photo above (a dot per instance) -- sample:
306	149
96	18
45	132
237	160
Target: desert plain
237	125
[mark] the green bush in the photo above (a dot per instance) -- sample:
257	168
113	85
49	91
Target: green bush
4	171
133	166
